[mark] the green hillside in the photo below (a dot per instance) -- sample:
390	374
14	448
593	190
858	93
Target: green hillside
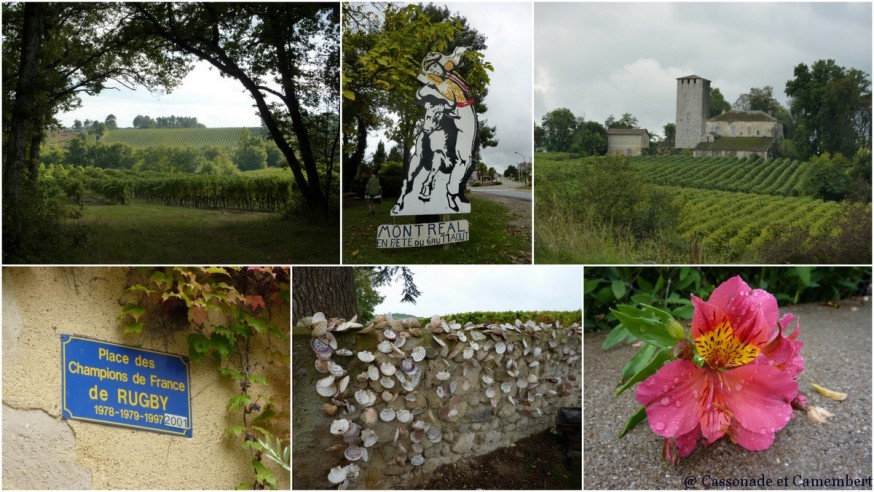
176	137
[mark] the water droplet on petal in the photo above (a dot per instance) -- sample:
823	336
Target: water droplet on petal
787	418
660	426
694	393
677	403
739	387
772	429
666	401
676	380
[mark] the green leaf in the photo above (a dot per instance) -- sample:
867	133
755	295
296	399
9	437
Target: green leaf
134	311
638	361
221	345
263	474
260	325
140	288
644	326
239	401
217	271
234	430
134	328
684	312
618	288
232	373
590	285
618	334
635	419
255	378
648	370
198	346
803	274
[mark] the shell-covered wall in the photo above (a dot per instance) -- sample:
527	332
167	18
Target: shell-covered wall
397	399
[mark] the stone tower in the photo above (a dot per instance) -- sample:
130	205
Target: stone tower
693	109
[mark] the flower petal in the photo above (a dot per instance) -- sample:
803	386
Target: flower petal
686	442
672	398
785	352
752	313
753	441
758	396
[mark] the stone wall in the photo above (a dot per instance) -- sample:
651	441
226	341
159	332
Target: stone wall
43	451
431	394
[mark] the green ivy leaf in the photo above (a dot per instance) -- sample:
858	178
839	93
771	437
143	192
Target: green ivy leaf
239	401
217	271
234	430
635	419
133	310
263	474
232	373
259	324
198	346
133	328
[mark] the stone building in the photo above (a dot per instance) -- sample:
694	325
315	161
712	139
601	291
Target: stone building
627	141
740	134
693	109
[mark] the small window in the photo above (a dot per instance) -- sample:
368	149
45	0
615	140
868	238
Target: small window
757	132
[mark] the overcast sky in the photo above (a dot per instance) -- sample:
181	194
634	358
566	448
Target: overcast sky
598	59
449	289
508	32
214	100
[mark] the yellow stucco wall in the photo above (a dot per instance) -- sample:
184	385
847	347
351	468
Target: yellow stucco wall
40	304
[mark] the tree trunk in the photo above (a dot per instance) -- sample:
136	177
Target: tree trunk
21	126
330	290
350	167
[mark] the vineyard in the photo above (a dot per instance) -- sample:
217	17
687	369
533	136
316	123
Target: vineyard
177	137
751	175
724	210
263	191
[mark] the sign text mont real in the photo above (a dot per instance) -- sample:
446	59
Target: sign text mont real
114	384
427	234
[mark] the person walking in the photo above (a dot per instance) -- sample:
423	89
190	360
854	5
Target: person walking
373	192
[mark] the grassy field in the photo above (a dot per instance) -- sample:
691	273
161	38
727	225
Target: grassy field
144	233
176	137
673	209
491	240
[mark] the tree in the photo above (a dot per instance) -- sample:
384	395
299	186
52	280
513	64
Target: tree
670	130
250	153
832	109
285	50
335	291
98	129
111	123
539	138
627	121
394	154
77	124
511	172
718	104
379	157
590	139
559	126
482	170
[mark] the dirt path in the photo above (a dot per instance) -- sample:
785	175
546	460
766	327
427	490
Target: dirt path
536	462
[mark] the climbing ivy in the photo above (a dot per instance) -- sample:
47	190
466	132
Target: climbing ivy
226	314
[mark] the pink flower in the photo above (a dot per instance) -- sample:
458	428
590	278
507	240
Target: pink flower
747	381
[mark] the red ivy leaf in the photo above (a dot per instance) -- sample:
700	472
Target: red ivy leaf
197	315
254	301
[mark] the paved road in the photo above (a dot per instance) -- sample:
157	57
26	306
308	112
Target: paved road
837	355
507	190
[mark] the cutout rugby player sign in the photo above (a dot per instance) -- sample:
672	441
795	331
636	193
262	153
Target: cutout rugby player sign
442	159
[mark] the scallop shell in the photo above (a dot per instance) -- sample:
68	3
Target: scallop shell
344	383
387	414
532	378
326	386
522	382
401	340
365	356
537	351
336	369
500	347
417	448
322	366
417	435
417	460
352	470
443	375
452	386
339	426
404	416
385	347
408	366
468	352
365	397
369	416
337	475
370	437
440	392
372	372
440	341
388	396
487	379
387	382
322	349
351	435
434	434
330	409
353	453
389	333
387	368
506	386
419	424
418	354
490	392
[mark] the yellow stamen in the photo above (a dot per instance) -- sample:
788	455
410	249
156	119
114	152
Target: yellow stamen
720	348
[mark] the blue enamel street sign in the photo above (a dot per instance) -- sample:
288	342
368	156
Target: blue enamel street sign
114	384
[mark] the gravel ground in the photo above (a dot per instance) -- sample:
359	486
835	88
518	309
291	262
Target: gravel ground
837	355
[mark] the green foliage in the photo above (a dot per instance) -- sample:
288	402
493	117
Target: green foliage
718	104
566	318
627	121
366	282
224	311
559	127
180	137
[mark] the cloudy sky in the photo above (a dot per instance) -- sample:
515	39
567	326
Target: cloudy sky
214	100
508	32
598	59
449	289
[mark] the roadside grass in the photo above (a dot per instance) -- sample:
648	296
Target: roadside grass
491	239
145	233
